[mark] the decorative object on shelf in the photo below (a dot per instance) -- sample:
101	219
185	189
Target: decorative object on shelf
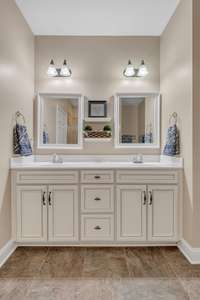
131	71
107	128
97	109
64	71
97	134
172	146
88	128
21	142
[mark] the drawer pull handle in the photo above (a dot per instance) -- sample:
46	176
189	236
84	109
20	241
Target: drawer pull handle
97	199
97	177
97	228
49	198
150	198
44	198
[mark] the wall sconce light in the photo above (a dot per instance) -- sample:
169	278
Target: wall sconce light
64	71
131	71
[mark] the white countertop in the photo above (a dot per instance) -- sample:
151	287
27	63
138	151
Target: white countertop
44	162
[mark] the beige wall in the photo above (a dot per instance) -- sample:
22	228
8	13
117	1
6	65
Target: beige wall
97	64
16	93
196	123
176	90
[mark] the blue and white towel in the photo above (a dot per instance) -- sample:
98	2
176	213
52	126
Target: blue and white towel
172	146
21	142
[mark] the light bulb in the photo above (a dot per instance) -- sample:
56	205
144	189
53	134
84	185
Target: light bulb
143	71
52	72
129	71
65	70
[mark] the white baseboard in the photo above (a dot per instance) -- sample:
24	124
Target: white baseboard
192	254
6	251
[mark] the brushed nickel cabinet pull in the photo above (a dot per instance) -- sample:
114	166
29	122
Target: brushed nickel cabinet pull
150	198
97	199
44	198
50	199
97	228
144	197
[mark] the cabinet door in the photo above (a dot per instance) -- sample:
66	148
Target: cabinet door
131	213
63	213
162	213
31	213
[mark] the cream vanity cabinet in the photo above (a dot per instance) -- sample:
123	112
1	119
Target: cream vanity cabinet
147	213
46	212
102	207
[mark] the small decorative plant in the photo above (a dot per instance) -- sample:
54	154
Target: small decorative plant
107	128
88	128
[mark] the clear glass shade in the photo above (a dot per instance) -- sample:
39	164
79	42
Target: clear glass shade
52	72
129	71
143	71
65	70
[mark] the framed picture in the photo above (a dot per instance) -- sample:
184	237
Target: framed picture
97	109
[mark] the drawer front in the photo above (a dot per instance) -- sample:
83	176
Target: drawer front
97	228
148	176
97	176
97	198
48	177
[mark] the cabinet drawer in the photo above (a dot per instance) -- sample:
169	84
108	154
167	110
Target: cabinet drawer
97	198
60	177
97	228
97	176
148	176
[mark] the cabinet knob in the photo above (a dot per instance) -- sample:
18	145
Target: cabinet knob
97	177
97	199
44	198
97	227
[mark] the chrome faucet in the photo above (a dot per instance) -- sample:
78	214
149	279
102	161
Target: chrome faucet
56	159
138	159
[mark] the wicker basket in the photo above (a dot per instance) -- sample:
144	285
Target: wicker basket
97	134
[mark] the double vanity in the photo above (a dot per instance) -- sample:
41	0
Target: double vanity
99	199
96	200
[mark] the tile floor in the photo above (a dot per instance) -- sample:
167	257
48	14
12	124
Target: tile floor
99	274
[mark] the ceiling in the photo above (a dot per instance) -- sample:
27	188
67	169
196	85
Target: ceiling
98	17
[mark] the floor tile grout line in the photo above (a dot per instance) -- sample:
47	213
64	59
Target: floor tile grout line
184	288
125	257
171	265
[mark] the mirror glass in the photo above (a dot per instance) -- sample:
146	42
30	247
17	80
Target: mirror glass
59	121
138	120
